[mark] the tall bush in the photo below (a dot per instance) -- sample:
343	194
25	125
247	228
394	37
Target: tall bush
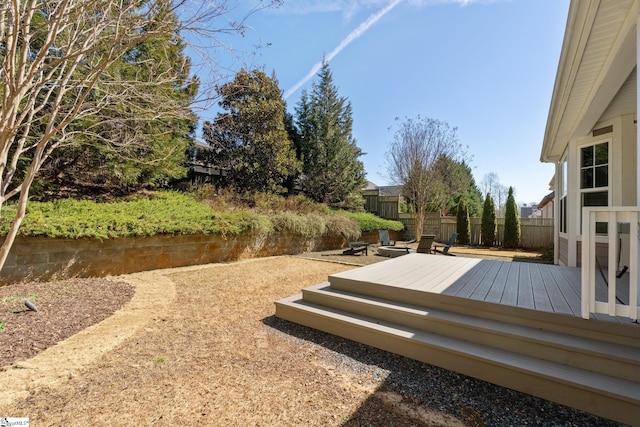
332	171
489	225
511	222
462	222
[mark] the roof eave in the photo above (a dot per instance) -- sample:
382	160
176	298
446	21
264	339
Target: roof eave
580	19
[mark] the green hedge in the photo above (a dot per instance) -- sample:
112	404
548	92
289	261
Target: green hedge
370	222
177	213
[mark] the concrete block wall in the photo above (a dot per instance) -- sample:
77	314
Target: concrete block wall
41	258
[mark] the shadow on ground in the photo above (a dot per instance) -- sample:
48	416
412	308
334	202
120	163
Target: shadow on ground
425	386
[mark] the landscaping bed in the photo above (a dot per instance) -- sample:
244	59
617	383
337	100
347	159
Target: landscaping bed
64	308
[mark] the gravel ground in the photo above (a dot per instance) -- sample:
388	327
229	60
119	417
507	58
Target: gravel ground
475	402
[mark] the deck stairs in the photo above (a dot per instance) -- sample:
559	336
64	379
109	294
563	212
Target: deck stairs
590	365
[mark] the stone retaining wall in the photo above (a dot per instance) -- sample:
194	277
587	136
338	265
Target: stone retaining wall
41	258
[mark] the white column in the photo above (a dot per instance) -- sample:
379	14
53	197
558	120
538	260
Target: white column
557	188
637	105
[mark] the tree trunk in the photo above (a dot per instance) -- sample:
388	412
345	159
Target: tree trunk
15	223
420	214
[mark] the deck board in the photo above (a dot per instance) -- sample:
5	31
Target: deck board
497	288
510	292
525	286
541	299
557	300
467	284
484	286
549	288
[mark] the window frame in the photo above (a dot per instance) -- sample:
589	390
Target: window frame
564	187
593	189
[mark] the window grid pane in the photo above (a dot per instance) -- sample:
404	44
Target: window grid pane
602	154
601	176
586	180
594	173
587	157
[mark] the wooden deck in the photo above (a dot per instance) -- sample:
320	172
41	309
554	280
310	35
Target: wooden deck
541	287
514	324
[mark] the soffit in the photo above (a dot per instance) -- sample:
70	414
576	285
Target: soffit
597	56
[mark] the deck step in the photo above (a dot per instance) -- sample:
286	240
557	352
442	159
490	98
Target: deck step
627	335
576	351
597	393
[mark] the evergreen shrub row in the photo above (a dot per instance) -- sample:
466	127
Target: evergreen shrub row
179	213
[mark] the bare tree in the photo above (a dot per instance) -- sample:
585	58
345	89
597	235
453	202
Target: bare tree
502	193
491	185
55	58
413	161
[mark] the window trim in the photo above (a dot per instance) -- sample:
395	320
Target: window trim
562	200
607	188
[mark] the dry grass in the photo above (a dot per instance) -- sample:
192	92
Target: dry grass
211	359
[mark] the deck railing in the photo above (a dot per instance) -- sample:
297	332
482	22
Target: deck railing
610	226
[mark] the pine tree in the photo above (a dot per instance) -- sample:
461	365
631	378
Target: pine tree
489	225
511	223
128	145
462	222
249	137
456	182
332	171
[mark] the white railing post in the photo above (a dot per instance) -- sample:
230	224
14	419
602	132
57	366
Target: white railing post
633	266
612	227
587	262
613	216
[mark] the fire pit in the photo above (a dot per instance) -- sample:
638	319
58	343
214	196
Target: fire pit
393	251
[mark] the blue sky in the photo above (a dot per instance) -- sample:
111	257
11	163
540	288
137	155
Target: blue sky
486	67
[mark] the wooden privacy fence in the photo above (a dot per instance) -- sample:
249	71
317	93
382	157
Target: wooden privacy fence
535	232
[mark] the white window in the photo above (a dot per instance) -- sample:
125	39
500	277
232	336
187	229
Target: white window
594	178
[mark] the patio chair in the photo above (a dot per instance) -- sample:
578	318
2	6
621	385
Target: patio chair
357	248
384	238
445	246
426	241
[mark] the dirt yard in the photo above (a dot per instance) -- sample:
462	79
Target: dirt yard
200	346
205	355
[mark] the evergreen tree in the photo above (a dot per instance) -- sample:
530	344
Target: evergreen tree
88	72
249	137
511	222
332	171
294	137
125	147
462	222
489	224
456	182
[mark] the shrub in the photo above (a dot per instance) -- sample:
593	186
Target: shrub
489	224
158	213
309	226
547	255
371	222
207	211
344	225
462	222
511	222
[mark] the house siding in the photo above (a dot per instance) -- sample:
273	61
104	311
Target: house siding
563	251
602	255
625	100
628	161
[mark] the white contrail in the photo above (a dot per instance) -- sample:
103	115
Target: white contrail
362	28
